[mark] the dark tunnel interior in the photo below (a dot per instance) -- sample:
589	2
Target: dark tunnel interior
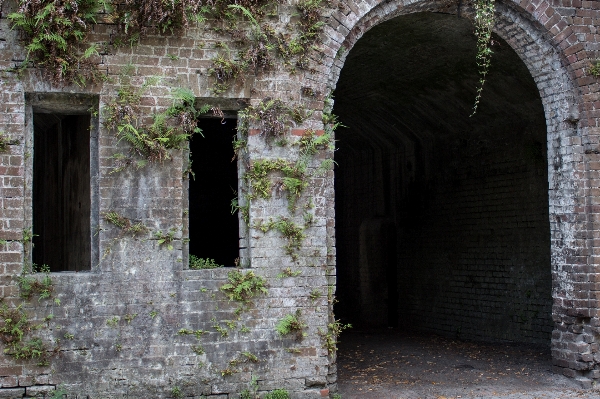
61	192
441	218
213	228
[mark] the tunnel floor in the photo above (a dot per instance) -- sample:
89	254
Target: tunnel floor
391	364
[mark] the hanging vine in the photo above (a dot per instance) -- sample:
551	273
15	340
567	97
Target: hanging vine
484	22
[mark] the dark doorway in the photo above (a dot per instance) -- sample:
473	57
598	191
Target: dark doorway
61	192
213	228
462	202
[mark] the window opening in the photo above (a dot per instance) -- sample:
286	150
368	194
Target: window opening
213	229
61	191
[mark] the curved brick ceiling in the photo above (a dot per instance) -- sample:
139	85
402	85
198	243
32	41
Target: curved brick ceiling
413	78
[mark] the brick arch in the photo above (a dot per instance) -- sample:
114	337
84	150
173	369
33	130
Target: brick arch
555	60
520	23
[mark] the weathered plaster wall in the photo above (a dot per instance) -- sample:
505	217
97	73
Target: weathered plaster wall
555	39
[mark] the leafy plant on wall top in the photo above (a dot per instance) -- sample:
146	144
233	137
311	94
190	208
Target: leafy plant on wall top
135	18
54	32
484	22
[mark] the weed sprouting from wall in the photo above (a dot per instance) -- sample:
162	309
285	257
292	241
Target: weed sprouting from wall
292	232
125	224
293	179
177	393
225	70
243	286
311	143
594	69
274	117
330	337
166	238
259	43
16	327
278	394
292	324
241	358
5	142
30	285
136	17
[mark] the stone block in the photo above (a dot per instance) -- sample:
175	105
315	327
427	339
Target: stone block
12	393
38	391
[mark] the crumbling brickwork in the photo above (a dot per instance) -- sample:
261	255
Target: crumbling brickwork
129	326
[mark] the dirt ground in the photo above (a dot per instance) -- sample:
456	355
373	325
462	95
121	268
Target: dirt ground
392	365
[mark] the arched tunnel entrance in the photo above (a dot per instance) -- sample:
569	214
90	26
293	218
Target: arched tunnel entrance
442	219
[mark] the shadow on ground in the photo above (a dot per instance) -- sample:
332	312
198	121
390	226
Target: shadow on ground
391	364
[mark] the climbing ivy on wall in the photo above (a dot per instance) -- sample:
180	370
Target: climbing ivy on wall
150	140
265	176
17	329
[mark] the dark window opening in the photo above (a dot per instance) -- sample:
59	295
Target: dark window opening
213	229
61	192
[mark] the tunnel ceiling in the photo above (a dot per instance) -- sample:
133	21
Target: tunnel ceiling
415	77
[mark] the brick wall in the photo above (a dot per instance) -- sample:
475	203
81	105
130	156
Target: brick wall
137	276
